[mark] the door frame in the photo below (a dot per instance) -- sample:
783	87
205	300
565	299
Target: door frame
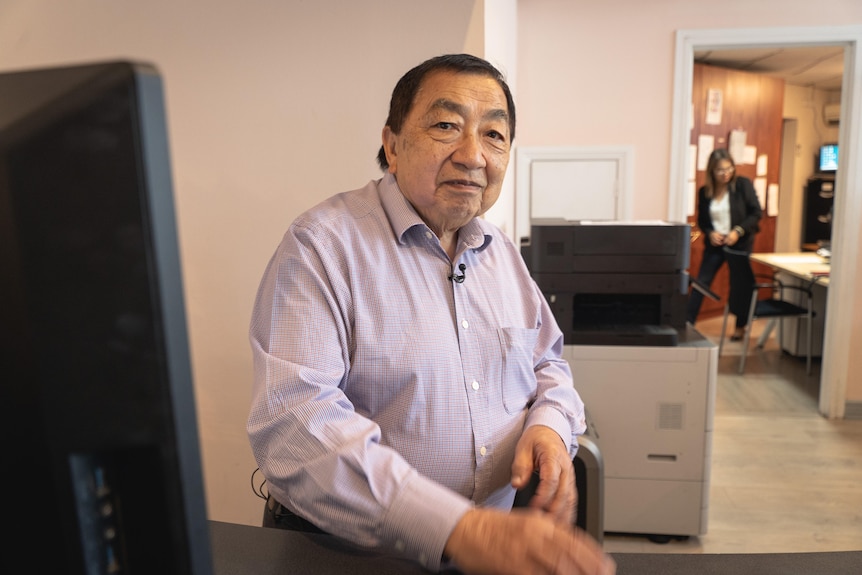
848	206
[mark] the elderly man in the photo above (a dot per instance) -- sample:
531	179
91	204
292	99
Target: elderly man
408	377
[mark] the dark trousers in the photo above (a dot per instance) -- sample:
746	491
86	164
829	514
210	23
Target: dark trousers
741	282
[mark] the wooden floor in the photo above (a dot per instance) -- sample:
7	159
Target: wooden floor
783	478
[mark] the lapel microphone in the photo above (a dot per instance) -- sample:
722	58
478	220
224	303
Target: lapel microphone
453	277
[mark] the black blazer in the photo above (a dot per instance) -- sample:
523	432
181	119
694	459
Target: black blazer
745	212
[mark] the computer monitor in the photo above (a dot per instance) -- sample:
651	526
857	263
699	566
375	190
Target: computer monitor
827	159
101	449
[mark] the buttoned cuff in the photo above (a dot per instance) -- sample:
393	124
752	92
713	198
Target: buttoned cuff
552	418
421	519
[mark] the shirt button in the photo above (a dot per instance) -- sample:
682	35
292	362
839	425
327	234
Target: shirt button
475	384
482	451
399	545
465	324
428	235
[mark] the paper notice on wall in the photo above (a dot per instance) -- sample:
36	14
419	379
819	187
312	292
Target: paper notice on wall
705	145
772	200
714	103
760	188
736	145
761	165
750	155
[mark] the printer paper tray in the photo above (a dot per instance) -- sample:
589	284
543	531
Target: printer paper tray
626	334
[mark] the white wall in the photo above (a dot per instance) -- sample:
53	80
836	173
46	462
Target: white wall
276	104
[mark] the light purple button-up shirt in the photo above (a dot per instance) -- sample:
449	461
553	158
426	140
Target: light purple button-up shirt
387	398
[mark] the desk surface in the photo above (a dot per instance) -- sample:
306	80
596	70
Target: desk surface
804	265
246	550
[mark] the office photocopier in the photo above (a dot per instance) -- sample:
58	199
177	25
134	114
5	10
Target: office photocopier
619	292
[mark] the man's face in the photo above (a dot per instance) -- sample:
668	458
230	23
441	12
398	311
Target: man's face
453	149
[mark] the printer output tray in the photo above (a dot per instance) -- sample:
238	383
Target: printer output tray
628	334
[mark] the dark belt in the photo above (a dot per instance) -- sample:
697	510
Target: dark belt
284	518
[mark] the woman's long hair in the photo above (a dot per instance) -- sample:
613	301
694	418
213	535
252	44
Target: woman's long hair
714	158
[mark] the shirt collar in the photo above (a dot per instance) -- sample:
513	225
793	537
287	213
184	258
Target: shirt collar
475	235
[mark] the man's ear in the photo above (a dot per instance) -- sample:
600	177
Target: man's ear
389	141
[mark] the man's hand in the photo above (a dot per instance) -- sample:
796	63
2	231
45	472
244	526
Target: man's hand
541	449
490	541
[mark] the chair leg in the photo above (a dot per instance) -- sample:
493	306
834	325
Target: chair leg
744	353
764	337
723	330
748	327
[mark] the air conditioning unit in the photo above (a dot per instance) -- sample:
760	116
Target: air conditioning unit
832	113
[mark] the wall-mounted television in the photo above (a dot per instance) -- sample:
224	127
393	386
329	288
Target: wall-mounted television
827	159
97	408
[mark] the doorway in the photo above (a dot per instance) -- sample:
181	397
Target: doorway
848	209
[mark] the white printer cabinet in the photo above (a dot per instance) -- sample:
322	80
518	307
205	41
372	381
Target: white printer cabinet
653	413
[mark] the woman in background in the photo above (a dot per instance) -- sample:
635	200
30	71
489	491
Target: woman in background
728	214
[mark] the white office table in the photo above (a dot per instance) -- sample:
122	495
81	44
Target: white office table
806	266
810	270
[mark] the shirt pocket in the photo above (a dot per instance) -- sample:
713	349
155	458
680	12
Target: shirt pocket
519	379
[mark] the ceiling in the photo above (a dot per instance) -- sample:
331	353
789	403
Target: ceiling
821	67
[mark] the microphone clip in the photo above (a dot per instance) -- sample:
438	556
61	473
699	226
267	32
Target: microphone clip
453	277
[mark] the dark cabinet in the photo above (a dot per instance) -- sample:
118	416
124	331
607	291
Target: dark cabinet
817	212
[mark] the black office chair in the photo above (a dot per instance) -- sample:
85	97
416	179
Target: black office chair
785	301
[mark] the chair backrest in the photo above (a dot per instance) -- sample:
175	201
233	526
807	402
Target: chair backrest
783	300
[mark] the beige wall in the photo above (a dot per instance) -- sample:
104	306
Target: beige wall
275	104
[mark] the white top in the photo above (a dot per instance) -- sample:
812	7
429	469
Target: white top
719	212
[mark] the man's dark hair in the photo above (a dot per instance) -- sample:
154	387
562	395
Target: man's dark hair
406	88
